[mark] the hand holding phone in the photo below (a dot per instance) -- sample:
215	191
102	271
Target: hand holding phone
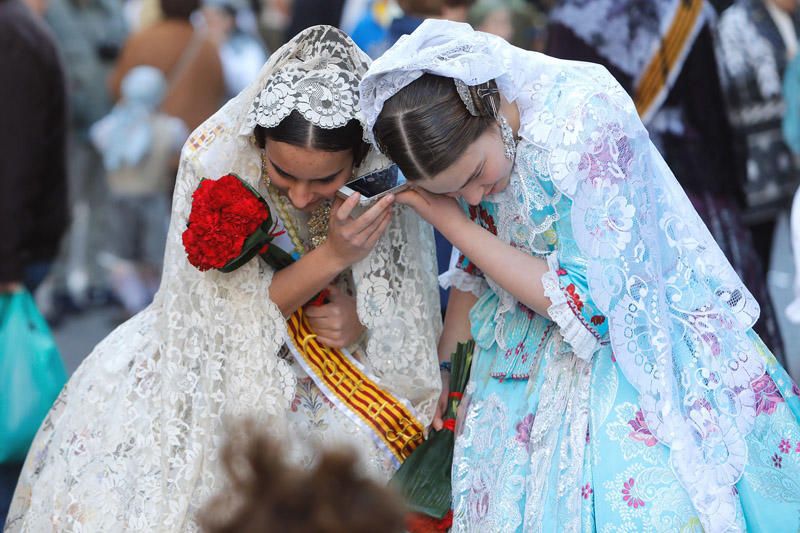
375	185
351	239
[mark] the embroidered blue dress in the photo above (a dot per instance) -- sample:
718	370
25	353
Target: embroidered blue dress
644	402
552	437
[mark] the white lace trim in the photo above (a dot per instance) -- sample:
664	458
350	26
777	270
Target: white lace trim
455	277
583	341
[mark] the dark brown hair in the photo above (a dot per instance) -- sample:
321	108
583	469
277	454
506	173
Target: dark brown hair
179	9
421	8
268	496
297	131
426	127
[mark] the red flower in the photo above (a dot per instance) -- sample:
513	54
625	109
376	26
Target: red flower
224	214
421	523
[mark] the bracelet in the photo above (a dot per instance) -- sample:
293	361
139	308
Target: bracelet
445	366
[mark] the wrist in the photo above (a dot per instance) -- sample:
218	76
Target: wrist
336	262
445	367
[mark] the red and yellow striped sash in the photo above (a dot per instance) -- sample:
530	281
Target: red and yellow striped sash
652	83
337	373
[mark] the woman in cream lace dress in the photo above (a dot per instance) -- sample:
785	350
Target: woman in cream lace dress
133	441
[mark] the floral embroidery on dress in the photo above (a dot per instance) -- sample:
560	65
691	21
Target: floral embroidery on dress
767	395
524	430
639	431
576	298
586	491
629	494
785	446
309	398
777	461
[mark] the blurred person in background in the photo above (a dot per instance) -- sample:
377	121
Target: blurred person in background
139	145
757	39
89	34
241	52
189	60
273	21
682	107
456	10
493	16
307	13
33	174
268	495
368	27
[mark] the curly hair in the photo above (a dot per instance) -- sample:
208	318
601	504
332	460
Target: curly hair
267	495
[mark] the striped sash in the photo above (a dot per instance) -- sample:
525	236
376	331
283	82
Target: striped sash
344	381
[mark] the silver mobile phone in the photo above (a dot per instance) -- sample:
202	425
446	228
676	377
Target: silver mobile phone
375	185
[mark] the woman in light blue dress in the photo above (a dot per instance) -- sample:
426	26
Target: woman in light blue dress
617	383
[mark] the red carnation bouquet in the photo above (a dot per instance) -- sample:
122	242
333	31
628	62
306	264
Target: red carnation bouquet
230	223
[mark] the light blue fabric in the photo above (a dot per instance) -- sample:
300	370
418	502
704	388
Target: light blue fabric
125	135
544	433
791	96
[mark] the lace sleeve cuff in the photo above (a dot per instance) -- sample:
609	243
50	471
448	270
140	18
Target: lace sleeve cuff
455	277
580	335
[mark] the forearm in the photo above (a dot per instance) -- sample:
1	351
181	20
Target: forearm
456	322
514	270
298	283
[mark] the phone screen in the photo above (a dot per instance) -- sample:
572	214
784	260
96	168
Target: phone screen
378	182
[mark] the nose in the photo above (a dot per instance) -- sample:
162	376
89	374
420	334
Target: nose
472	195
300	195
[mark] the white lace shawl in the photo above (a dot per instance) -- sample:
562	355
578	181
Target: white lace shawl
133	441
678	315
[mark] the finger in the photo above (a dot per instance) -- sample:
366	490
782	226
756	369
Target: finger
315	312
324	324
372	215
331	342
345	208
438	423
327	333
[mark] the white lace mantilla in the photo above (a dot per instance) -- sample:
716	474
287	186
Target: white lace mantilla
678	315
132	443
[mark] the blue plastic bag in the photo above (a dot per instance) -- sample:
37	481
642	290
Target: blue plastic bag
31	373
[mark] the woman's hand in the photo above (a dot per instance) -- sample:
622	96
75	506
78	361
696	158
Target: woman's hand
351	239
438	209
336	323
441	405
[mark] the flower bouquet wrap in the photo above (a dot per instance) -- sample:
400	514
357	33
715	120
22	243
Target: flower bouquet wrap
424	478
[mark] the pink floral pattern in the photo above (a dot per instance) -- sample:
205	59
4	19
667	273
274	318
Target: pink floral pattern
639	430
785	446
586	491
629	494
524	430
767	395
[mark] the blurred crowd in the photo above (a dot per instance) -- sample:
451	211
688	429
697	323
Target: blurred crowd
99	96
